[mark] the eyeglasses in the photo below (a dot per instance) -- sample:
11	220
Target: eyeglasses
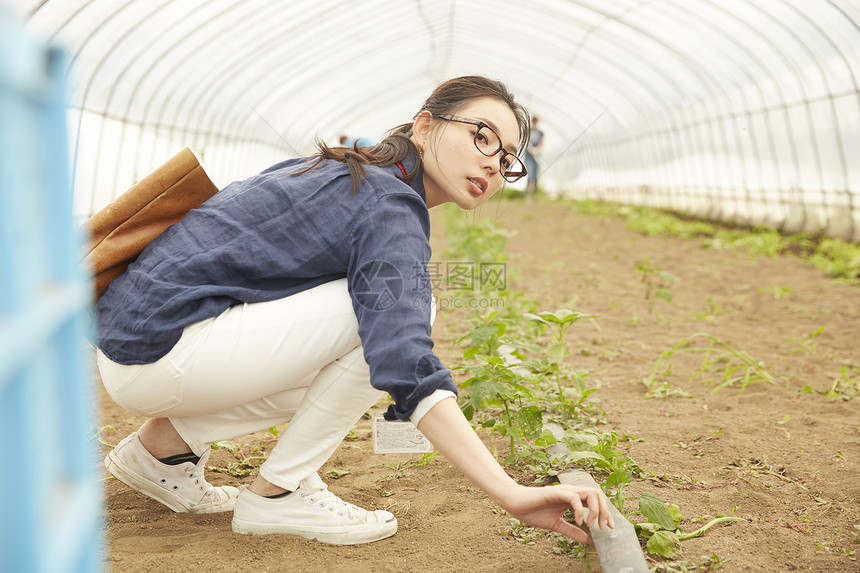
489	143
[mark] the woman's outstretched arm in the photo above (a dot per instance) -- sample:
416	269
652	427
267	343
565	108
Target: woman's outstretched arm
449	431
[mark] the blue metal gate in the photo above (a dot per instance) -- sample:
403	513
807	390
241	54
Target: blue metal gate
51	502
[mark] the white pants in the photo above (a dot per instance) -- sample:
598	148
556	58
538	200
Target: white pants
255	366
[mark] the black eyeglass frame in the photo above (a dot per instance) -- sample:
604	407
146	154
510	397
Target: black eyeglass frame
481	125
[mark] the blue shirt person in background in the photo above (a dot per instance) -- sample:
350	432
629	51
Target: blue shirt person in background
533	157
292	296
360	141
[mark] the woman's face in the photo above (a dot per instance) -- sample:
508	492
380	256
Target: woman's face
454	169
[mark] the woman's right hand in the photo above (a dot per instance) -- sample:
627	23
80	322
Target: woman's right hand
545	507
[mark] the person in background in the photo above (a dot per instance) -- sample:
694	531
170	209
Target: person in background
533	157
356	141
303	294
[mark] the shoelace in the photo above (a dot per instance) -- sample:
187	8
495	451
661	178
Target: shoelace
196	474
327	499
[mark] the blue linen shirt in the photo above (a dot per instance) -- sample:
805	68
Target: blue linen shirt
277	234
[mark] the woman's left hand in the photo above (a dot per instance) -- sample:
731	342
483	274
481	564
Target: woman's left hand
544	507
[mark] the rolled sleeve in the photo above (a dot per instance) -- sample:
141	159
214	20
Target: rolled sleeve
426	404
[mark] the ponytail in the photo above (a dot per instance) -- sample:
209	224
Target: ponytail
447	98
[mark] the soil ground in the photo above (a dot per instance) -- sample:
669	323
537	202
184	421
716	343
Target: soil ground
784	460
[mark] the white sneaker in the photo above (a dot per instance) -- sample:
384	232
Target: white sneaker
181	487
313	512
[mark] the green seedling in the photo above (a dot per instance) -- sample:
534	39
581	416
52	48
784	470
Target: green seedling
721	364
710	313
658	283
807	343
822	546
248	458
660	533
570	398
480	239
485	338
427	458
838	258
660	387
512	399
522	532
489	333
847	384
599	453
777	292
566	546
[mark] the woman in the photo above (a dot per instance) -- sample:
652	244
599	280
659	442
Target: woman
302	294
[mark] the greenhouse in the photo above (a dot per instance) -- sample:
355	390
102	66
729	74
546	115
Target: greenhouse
673	281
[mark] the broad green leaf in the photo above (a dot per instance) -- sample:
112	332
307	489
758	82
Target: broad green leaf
663	543
535	318
529	421
565	316
484	392
580	441
677	516
550	317
655	511
546	438
470	352
226	445
468	411
668	277
619	477
482	334
663	293
574	456
645	530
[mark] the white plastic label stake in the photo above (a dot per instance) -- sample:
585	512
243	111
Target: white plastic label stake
398	437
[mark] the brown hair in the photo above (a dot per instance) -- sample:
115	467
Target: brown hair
447	99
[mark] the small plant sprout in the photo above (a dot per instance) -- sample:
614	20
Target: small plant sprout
599	452
807	343
658	283
723	365
496	384
660	533
485	337
777	292
847	384
560	322
710	313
